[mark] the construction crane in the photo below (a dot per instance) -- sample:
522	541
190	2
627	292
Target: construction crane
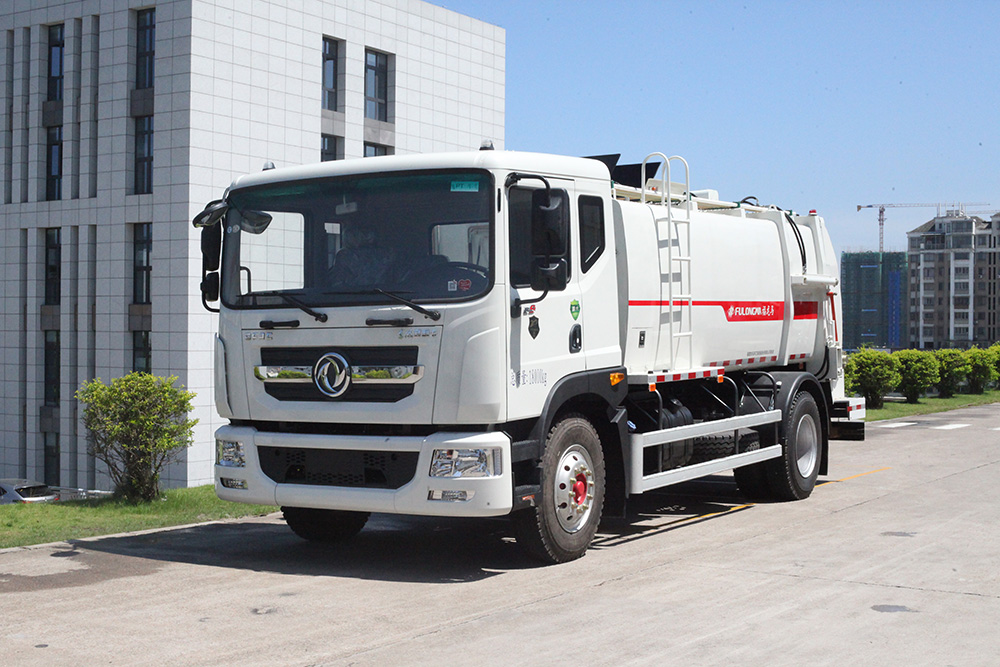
881	213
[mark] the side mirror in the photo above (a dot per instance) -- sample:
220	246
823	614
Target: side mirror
213	212
210	287
211	248
549	275
549	226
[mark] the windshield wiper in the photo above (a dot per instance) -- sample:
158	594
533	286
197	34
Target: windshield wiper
320	317
433	314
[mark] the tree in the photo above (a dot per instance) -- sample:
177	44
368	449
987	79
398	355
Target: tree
137	425
873	374
918	372
952	367
982	368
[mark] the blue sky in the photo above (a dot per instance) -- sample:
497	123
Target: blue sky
805	105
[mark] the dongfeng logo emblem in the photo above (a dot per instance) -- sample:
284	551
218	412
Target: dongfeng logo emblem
332	375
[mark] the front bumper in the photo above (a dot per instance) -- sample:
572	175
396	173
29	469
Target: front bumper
486	496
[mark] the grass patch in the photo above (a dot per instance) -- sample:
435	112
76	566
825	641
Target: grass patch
21	525
926	406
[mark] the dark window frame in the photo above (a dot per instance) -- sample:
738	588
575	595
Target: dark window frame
376	150
53	266
57	54
330	148
142	352
51	458
592	238
53	163
142	264
52	371
143	155
145	48
331	71
376	85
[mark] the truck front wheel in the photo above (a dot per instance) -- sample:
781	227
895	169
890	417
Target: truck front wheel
324	525
562	525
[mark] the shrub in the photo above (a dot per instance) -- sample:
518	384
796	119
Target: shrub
952	367
982	368
873	374
918	372
137	425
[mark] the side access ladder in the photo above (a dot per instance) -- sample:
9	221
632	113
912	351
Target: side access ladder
678	262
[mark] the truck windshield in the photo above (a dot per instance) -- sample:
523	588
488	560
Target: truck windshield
424	236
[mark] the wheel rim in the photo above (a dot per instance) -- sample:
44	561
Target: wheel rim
574	489
806	445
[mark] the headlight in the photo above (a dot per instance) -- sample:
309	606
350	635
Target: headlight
230	454
466	462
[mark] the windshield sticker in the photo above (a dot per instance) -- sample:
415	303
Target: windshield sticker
452	285
574	309
465	186
464	285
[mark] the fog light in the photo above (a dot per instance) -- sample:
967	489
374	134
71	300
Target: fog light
230	483
230	454
483	462
450	496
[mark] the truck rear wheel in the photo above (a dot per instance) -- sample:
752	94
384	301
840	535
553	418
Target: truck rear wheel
793	475
318	525
563	524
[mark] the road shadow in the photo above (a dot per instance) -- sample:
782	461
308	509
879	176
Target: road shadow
405	549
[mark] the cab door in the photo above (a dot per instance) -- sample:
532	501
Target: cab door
548	335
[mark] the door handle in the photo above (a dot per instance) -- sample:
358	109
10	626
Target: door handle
576	338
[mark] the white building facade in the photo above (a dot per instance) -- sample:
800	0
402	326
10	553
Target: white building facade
120	119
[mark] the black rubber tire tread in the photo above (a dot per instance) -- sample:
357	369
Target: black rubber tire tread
718	445
537	530
318	525
784	478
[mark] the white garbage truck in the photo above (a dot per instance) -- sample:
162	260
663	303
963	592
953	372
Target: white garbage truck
498	333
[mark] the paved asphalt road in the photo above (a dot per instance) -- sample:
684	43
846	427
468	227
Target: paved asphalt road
895	560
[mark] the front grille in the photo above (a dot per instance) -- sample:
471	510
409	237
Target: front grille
355	356
366	469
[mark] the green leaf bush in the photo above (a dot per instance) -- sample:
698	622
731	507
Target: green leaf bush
873	374
953	366
918	371
982	368
137	425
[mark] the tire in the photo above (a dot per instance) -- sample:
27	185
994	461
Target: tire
792	476
563	524
324	525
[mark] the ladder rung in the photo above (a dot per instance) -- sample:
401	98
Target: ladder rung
683	258
682	334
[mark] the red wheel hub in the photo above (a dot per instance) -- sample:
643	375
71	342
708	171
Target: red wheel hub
580	489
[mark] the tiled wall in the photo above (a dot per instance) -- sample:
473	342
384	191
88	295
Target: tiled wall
236	83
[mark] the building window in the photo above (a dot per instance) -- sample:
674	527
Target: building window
143	155
52	368
141	352
53	164
145	50
376	85
50	442
53	266
57	47
330	149
374	150
142	267
330	72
